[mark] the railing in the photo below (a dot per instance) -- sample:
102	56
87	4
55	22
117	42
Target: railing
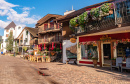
41	29
45	40
33	41
104	23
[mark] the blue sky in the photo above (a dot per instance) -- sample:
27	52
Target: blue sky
27	12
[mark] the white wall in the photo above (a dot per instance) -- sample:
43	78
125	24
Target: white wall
66	44
26	36
16	32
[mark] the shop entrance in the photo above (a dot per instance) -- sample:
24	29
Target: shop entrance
107	54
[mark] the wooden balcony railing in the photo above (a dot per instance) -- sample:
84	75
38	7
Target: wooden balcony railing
48	28
33	41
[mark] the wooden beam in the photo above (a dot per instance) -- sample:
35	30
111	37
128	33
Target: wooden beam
100	55
112	54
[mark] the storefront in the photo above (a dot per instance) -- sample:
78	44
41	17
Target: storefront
105	45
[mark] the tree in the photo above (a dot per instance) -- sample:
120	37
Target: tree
9	45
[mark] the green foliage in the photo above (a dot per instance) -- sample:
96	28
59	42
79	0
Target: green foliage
54	49
57	49
9	45
25	48
95	58
74	22
105	7
113	59
39	52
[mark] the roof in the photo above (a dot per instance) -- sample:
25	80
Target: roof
12	24
78	12
33	31
48	16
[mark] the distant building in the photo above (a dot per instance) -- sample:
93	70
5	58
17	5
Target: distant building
28	37
10	28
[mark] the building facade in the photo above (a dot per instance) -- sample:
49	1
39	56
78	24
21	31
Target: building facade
27	38
10	28
49	34
102	35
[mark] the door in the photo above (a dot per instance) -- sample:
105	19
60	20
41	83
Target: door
107	53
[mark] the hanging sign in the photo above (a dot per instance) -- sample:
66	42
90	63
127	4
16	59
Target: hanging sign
72	40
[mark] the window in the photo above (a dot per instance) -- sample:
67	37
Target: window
7	30
26	32
19	27
88	51
7	35
26	39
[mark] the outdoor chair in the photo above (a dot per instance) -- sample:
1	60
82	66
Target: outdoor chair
127	65
118	61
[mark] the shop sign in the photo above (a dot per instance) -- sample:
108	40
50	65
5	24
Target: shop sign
72	40
105	38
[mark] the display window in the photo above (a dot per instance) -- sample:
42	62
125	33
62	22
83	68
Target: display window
88	51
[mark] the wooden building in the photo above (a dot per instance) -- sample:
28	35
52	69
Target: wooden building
106	38
49	33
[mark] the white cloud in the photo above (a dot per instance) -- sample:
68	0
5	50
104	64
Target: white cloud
5	5
6	9
27	8
3	24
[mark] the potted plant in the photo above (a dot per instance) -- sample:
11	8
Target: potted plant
95	61
95	58
113	61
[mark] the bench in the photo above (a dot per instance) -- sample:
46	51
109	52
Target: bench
127	65
70	58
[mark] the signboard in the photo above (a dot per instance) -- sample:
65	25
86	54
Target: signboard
72	40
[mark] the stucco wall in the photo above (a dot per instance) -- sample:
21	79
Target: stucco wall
66	44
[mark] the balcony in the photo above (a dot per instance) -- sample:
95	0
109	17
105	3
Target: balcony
56	39
41	41
50	40
49	29
95	26
33	41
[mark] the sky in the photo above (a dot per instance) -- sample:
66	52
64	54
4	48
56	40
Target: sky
28	12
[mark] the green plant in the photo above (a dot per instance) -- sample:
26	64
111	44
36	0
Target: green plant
9	41
54	49
39	52
95	58
105	8
46	49
25	48
57	49
113	59
74	22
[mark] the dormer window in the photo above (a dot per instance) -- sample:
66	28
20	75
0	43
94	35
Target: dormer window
19	27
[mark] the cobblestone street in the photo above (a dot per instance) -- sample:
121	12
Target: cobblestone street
18	71
15	70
